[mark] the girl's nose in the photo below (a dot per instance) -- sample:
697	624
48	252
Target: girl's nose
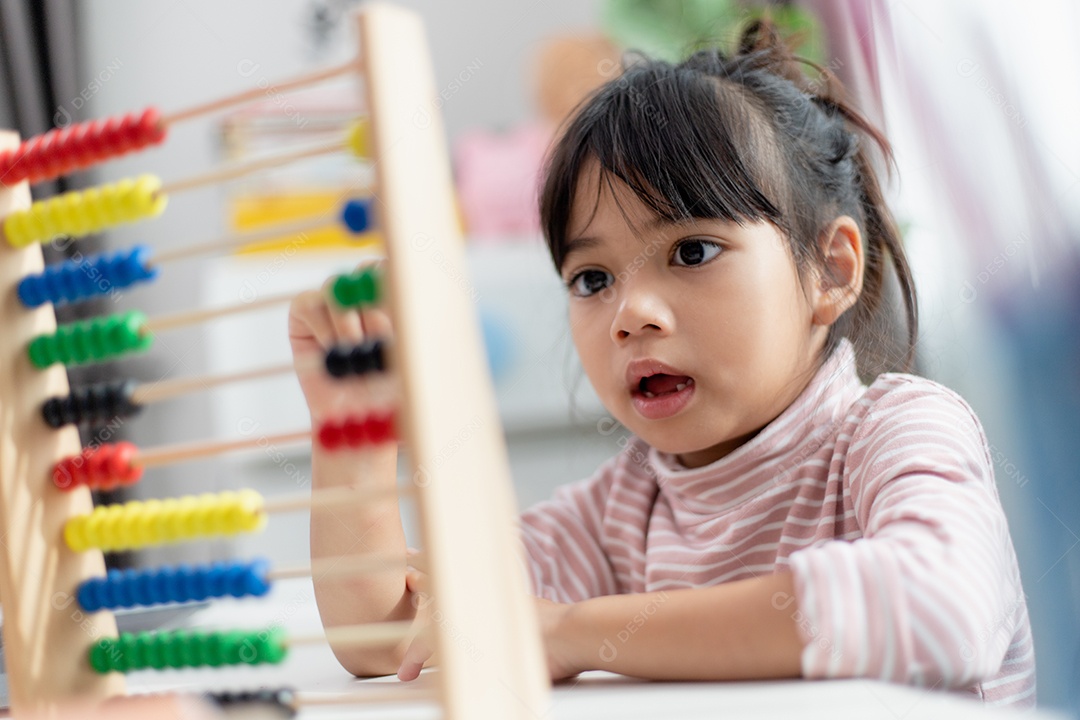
640	312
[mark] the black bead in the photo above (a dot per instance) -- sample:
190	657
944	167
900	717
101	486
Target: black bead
337	362
53	412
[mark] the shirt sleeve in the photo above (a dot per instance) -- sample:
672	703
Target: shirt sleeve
562	538
930	594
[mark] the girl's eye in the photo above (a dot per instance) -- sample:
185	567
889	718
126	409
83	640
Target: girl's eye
695	252
588	282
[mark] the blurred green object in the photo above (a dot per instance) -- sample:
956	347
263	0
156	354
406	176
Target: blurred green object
674	29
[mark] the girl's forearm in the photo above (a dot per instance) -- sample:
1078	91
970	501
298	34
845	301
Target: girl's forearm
739	630
359	529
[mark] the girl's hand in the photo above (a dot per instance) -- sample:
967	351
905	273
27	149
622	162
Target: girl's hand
421	651
557	642
316	325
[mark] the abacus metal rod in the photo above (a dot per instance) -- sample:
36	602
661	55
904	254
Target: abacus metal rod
235	171
235	240
164	389
192	451
241	98
194	317
345	564
330	497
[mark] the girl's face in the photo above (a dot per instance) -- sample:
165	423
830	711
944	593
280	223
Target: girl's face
695	336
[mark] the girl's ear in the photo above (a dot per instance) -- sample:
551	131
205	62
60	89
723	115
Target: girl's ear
837	285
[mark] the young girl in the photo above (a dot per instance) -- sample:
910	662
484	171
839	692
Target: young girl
726	251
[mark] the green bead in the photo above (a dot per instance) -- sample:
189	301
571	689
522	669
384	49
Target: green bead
134	337
62	343
367	284
40	351
344	291
80	347
170	650
187	649
154	652
212	651
127	655
100	656
358	289
272	648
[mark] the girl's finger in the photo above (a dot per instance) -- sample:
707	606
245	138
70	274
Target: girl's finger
344	321
419	652
309	316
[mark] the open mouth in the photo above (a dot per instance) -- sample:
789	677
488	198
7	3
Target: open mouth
662	395
663	384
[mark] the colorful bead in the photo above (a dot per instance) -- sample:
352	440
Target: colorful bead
87	211
138	524
358	139
90	405
91	340
101	467
183	583
282	700
357	289
353	432
64	150
71	281
183	648
356	216
367	357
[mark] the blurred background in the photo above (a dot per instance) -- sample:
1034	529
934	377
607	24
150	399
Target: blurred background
979	99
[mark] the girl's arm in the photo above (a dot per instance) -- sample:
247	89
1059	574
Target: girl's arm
347	530
738	630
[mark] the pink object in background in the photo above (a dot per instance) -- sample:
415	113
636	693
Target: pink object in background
498	176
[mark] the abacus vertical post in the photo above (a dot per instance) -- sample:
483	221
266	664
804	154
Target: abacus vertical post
488	641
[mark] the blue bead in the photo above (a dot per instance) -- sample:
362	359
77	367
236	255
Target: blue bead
135	265
173	584
30	291
122	589
143	588
213	579
159	583
88	595
257	583
185	582
356	215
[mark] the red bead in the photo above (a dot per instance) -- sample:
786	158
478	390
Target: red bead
65	475
121	466
97	467
331	436
380	427
355	431
78	146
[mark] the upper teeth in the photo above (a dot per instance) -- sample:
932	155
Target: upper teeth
678	387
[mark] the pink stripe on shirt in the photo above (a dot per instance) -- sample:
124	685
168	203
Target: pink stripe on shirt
880	500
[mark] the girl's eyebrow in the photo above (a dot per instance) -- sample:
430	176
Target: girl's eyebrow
586	242
580	243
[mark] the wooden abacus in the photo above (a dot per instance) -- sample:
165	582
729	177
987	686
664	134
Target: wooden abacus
466	506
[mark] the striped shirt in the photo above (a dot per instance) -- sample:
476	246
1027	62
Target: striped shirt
879	500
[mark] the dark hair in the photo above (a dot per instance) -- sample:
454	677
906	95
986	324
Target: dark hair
745	138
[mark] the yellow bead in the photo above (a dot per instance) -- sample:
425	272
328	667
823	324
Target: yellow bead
359	139
144	527
92	528
73	533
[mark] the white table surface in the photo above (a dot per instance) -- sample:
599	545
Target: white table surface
313	670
